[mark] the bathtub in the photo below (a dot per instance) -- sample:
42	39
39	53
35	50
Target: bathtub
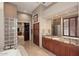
20	51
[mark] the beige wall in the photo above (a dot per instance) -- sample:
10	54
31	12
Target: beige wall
1	26
23	17
10	10
45	28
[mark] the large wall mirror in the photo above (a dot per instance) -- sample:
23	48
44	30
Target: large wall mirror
56	27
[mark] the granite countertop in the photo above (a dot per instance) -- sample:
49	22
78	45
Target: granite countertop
63	39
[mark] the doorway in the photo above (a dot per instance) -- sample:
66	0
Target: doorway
26	31
36	33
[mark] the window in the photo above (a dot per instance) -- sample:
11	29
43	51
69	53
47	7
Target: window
71	27
78	27
66	27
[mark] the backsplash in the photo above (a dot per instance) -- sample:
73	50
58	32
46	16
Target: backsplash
47	32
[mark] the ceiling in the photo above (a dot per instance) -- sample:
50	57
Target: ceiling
28	7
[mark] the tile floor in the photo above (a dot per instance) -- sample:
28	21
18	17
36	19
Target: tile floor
34	50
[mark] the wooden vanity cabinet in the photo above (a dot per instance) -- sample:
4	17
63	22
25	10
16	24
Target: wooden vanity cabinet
73	50
51	45
60	48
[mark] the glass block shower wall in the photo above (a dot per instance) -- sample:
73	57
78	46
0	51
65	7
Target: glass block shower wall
10	40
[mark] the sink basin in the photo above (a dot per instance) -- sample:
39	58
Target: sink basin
65	41
55	38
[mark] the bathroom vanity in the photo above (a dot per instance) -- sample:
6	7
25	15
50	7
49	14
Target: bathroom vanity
60	46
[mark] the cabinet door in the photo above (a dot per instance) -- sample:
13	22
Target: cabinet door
66	49
47	43
44	42
62	49
57	48
73	51
50	45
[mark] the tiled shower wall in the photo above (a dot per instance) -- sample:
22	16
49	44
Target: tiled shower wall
10	40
